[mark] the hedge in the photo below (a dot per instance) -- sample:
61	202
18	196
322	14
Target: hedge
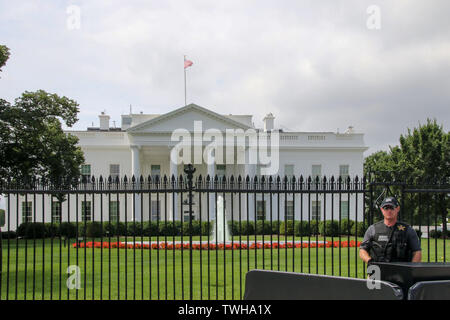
162	228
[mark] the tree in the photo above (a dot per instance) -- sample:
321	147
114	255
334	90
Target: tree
423	154
423	157
32	141
4	55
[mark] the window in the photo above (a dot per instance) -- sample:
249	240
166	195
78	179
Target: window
289	210
155	171
343	171
344	210
86	211
316	172
221	170
86	171
289	170
56	212
260	210
156	209
114	214
316	210
114	171
27	211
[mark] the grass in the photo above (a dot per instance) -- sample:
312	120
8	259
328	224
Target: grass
37	269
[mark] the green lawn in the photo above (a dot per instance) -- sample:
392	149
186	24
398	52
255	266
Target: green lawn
164	274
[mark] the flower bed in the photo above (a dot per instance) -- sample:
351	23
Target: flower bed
219	246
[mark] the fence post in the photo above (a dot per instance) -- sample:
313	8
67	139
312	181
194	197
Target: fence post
189	170
370	217
402	201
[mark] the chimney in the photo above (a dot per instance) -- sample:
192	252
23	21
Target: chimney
268	122
104	121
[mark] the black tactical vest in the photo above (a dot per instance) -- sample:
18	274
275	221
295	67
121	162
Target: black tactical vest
390	244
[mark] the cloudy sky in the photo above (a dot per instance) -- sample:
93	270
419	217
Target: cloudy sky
316	65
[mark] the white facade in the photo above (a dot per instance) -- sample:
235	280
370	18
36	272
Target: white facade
143	144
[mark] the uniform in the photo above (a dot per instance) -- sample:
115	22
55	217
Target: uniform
390	244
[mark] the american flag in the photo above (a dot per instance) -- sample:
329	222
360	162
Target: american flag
187	63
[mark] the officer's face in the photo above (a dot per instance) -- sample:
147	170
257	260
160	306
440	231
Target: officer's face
389	212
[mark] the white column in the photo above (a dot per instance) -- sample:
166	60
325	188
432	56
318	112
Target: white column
174	172
250	170
137	174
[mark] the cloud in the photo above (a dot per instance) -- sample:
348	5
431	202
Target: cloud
315	65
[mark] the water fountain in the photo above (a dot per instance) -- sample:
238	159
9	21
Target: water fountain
220	230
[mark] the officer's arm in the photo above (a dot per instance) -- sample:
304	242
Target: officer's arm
364	255
414	244
365	244
417	256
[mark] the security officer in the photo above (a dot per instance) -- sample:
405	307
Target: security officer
390	240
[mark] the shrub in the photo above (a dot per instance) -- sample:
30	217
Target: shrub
275	226
287	228
94	229
9	235
263	227
35	230
52	230
114	229
329	228
134	229
207	229
196	228
2	218
314	227
169	229
362	227
247	228
68	229
31	230
233	226
302	229
346	226
435	234
151	228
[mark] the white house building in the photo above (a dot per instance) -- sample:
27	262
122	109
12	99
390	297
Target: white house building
142	145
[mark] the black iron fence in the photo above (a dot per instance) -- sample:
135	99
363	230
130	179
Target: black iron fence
195	237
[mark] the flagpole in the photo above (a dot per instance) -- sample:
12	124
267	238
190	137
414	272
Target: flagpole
184	81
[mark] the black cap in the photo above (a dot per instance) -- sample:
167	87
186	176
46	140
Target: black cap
389	201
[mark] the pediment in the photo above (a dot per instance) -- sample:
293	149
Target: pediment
184	118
